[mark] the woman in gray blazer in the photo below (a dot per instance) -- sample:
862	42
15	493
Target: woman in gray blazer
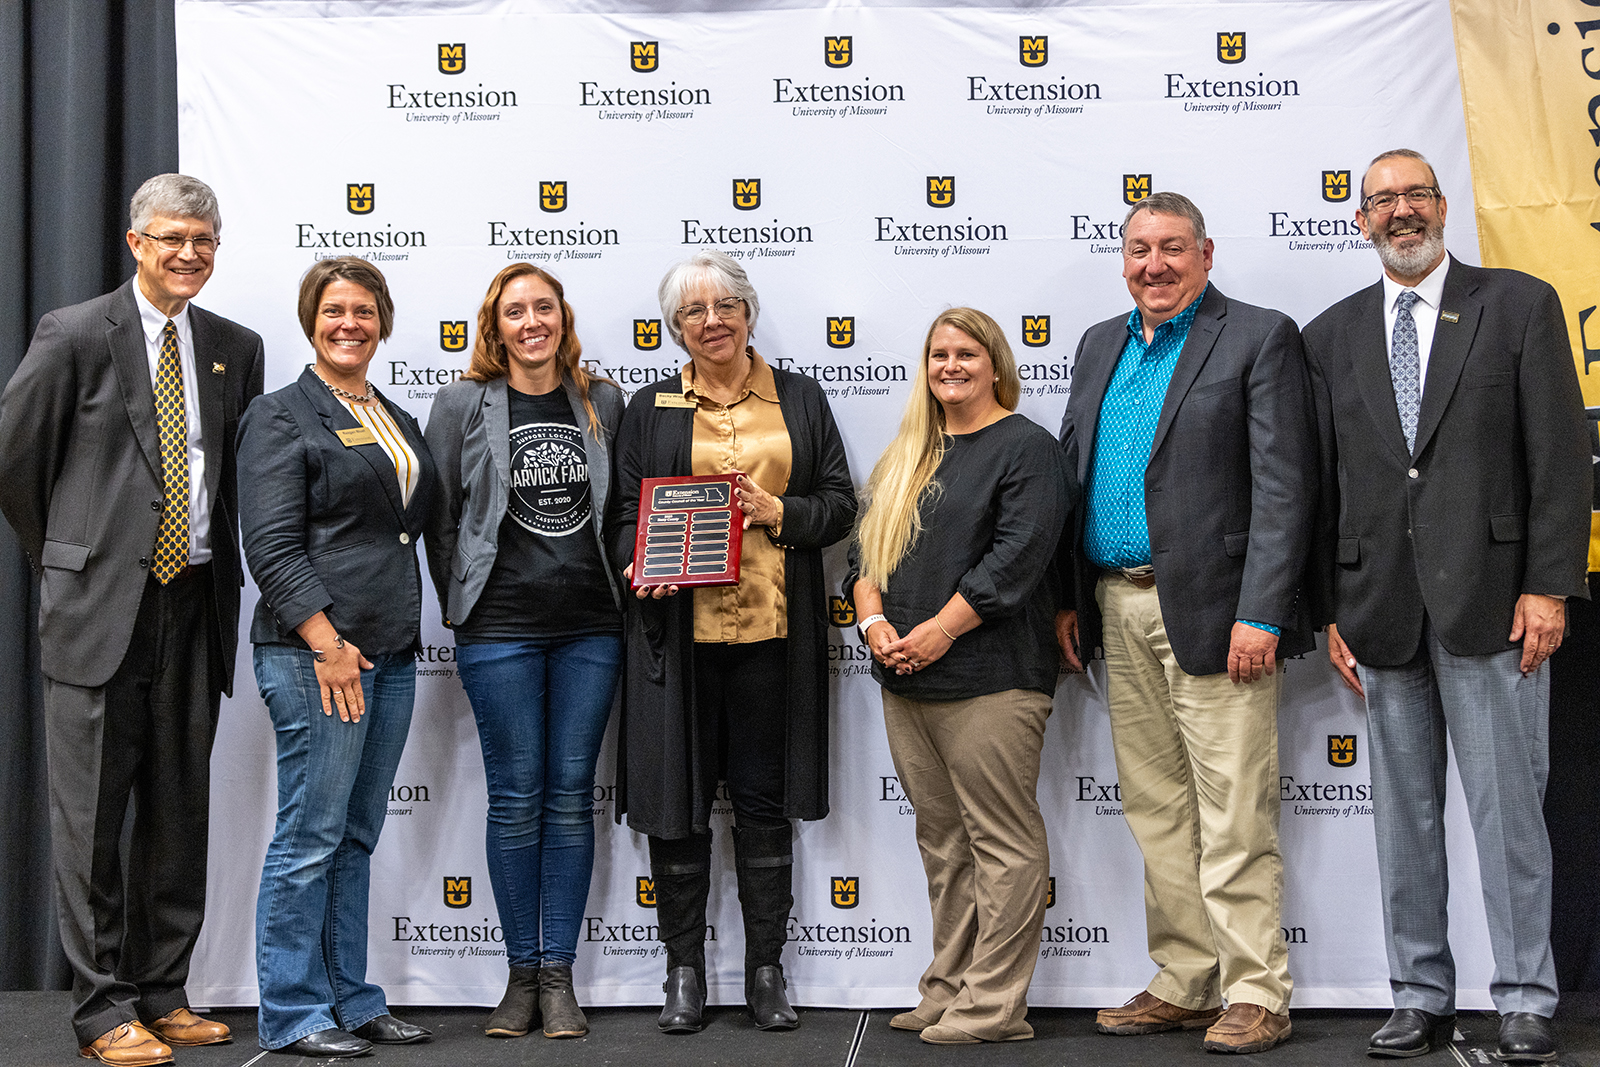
337	483
523	443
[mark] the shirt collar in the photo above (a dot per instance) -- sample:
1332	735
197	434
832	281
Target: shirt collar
1430	290
153	321
1179	323
761	381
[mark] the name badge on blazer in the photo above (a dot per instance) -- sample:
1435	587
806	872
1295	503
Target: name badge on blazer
358	436
1450	316
675	400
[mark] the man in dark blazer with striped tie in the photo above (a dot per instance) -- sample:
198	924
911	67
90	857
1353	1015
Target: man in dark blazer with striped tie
1454	524
117	439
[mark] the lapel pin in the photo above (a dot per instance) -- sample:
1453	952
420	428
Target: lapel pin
219	368
1450	316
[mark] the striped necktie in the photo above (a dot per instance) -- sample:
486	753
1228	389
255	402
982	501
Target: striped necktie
172	428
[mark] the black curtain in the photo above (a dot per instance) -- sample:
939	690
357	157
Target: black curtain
88	111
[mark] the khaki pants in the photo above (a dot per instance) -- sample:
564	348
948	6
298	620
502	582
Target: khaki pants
1197	760
971	768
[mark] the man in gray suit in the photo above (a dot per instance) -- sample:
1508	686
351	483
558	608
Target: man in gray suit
117	439
1456	493
1190	431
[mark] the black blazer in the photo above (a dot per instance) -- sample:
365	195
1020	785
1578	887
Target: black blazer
82	483
1495	501
1230	489
324	529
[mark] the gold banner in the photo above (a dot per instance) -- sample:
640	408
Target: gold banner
1530	85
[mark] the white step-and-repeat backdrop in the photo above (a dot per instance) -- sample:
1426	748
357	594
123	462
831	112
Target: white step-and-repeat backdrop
870	165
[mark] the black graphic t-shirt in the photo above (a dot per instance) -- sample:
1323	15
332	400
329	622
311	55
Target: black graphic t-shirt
548	578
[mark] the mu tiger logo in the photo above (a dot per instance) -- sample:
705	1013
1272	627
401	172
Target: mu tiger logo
841	331
457	892
1230	47
840	612
645	55
552	196
647	334
1036	330
360	199
452	58
1033	51
1342	750
1135	187
645	892
941	191
1336	186
836	51
747	193
1050	893
846	890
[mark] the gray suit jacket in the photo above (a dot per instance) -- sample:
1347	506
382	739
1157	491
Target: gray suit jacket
469	433
1495	500
1230	489
82	486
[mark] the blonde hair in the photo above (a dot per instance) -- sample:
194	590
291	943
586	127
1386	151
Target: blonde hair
489	360
891	522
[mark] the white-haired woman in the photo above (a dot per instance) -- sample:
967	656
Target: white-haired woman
729	683
955	589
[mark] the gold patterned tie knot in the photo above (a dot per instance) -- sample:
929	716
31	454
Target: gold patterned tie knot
172	427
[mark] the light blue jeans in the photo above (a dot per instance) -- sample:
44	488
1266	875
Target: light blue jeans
333	792
541	708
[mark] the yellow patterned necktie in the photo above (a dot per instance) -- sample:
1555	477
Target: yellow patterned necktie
172	427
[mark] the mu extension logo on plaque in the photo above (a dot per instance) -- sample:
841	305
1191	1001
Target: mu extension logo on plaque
747	193
1342	750
1036	330
942	191
360	199
1033	51
841	331
453	336
1135	187
836	51
1336	186
644	892
1230	47
553	196
841	612
846	890
645	55
647	334
452	58
457	892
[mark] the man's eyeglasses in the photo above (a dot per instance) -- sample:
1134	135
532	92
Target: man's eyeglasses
1417	198
726	308
173	242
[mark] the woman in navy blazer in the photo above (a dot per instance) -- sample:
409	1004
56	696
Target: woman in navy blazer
337	483
523	442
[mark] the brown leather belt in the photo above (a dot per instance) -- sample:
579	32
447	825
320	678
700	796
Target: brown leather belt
1140	577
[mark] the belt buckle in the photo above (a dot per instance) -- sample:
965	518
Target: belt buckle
1139	577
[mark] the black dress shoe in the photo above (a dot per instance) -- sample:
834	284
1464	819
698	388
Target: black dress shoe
387	1030
764	996
684	1011
1411	1032
330	1044
1526	1038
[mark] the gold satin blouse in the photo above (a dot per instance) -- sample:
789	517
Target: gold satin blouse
750	436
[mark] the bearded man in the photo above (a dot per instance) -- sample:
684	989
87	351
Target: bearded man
1453	525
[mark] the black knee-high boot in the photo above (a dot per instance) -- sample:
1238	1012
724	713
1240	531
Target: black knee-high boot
681	869
765	860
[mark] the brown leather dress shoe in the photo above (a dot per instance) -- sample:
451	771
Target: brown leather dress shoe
1247	1028
180	1026
1149	1014
129	1045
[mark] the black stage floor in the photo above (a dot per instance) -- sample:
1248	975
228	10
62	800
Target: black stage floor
34	1033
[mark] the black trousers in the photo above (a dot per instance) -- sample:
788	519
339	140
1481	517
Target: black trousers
743	722
1571	801
144	736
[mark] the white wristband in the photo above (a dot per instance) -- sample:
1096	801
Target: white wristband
866	624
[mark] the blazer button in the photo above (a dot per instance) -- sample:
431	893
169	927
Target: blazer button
1412	473
405	539
143	562
155	505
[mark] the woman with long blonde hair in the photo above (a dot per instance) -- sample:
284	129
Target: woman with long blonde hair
956	552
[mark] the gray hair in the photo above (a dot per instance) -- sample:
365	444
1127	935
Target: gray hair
176	196
1399	153
1171	204
714	268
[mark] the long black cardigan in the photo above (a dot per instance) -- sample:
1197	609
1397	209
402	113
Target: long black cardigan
658	752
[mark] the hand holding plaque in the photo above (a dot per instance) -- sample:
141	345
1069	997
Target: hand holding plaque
690	531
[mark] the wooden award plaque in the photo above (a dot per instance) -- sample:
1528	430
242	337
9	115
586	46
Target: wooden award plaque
690	531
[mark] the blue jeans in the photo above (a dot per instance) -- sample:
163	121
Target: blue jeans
541	707
334	779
